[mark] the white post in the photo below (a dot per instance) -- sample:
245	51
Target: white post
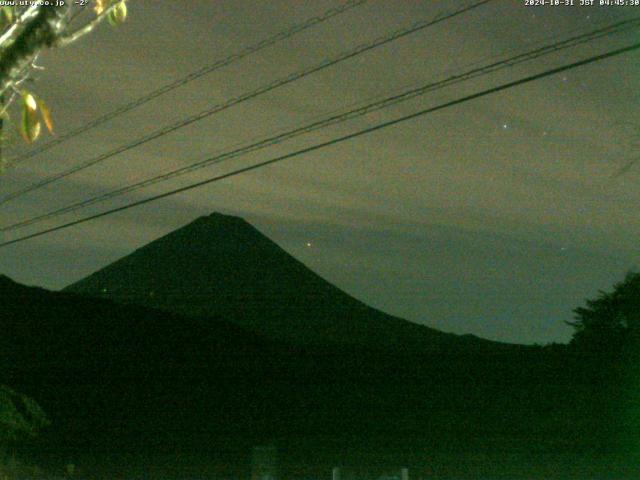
335	473
404	474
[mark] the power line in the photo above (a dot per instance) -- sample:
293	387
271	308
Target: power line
234	57
416	27
334	141
335	119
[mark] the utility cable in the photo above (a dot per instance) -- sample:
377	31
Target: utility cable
339	118
334	141
416	27
234	57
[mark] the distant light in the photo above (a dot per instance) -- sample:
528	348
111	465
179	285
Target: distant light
104	290
308	244
505	126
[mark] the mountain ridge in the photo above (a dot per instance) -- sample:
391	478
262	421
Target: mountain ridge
223	266
127	378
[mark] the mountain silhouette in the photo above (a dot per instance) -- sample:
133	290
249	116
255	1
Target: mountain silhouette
213	339
119	379
220	265
123	376
105	372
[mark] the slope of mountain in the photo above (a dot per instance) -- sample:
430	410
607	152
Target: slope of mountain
125	375
103	370
118	379
220	265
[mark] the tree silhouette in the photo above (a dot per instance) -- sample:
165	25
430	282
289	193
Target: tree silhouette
611	322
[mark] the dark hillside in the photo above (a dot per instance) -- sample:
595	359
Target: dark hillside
121	378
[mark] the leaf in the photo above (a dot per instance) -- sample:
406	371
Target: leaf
30	125
118	14
99	7
7	15
29	101
46	114
6	18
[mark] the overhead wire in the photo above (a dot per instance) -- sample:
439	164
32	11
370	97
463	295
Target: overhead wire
343	138
339	118
416	27
206	70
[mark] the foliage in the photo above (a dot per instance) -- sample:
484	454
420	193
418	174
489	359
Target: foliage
27	30
612	320
20	416
13	468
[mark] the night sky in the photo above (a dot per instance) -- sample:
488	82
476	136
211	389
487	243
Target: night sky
495	217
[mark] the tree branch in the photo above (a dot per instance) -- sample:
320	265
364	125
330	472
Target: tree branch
41	31
69	38
26	15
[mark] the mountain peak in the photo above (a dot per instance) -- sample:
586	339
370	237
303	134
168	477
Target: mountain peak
221	266
222	226
217	218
